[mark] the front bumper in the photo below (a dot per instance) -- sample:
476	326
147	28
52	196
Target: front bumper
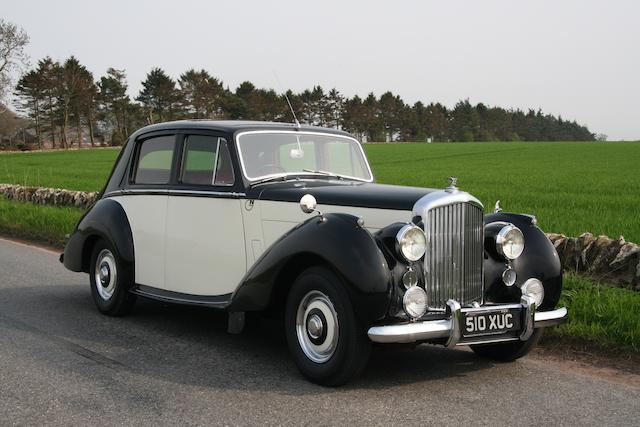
450	330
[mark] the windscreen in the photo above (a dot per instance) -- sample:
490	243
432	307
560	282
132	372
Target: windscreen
266	154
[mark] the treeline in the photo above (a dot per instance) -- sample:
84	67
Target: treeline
68	106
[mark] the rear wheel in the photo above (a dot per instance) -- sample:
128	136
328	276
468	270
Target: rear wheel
110	281
325	338
508	351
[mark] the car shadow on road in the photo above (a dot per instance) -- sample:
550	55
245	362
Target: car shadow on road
190	345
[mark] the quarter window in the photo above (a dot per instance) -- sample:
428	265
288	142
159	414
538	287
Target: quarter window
206	161
155	158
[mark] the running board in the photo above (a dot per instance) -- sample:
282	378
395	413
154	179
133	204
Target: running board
219	301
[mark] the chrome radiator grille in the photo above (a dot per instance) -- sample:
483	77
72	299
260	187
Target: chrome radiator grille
454	258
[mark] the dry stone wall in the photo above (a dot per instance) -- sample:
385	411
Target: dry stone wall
600	257
48	196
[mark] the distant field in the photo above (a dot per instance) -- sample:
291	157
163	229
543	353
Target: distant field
572	187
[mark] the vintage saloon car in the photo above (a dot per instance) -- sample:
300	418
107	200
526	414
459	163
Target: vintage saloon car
252	216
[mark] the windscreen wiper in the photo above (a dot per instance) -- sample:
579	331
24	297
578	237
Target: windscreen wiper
320	172
269	179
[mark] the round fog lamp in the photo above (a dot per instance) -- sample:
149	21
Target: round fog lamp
415	302
509	276
534	289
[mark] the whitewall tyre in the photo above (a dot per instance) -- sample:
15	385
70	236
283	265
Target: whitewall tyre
325	338
110	280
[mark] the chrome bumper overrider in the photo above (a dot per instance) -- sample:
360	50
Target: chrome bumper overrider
451	327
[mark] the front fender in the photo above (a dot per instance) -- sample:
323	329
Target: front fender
344	246
539	259
107	220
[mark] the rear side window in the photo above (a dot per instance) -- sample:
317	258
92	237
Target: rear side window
155	157
206	161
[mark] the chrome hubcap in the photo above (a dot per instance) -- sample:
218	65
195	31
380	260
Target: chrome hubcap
317	326
105	274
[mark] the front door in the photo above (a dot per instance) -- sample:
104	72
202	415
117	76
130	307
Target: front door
204	247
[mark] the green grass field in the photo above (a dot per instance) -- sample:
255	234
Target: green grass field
572	187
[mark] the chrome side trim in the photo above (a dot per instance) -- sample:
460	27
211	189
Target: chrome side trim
297	132
162	191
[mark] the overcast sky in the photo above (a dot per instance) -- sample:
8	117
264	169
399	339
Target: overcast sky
580	59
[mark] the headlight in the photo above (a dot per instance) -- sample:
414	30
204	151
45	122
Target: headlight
415	302
533	288
411	242
510	242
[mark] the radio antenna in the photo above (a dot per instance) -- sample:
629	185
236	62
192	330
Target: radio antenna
293	113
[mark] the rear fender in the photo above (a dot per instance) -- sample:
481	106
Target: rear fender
107	220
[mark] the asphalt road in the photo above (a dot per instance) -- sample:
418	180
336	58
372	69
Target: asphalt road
61	362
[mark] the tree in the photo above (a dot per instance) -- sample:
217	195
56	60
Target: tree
49	71
30	90
334	109
200	94
113	104
12	55
159	96
72	79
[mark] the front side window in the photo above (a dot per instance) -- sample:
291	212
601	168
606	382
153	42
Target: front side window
267	154
206	161
155	157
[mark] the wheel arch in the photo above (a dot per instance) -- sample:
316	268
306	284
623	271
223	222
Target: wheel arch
105	220
334	241
539	259
287	276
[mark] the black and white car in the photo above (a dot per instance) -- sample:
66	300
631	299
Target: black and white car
253	216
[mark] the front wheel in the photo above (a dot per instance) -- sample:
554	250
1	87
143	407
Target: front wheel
508	351
110	281
325	338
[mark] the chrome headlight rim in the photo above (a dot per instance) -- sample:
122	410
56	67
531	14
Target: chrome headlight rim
401	241
502	238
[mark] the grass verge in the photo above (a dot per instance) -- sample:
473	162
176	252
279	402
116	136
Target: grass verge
600	314
47	224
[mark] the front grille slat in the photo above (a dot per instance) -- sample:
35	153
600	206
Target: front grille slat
454	259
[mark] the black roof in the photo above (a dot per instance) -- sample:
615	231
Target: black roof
232	126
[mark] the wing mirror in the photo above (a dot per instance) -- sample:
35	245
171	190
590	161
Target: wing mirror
308	203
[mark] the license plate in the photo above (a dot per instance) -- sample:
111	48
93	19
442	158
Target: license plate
490	322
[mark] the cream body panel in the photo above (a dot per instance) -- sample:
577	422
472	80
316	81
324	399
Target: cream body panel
205	245
147	216
280	217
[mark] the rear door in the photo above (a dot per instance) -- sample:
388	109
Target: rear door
205	249
144	200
